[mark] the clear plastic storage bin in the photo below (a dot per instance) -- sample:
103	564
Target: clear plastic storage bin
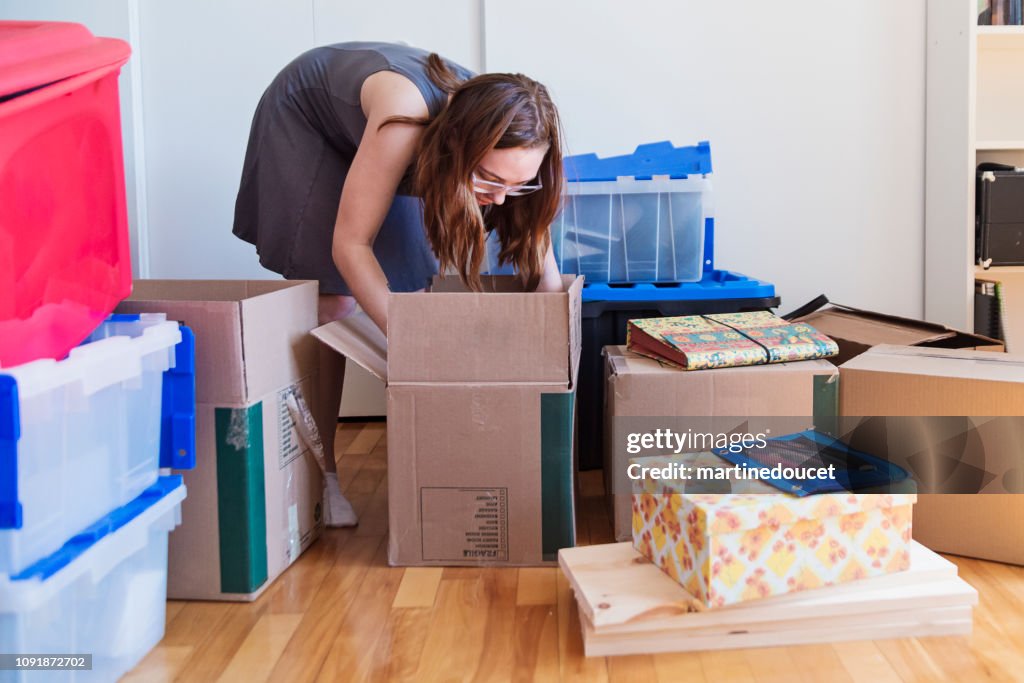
631	230
104	593
81	436
644	217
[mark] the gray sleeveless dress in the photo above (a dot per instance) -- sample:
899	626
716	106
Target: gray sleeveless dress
304	136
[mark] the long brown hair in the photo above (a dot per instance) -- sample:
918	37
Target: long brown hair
488	111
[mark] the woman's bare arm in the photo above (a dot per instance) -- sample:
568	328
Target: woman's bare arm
550	279
379	164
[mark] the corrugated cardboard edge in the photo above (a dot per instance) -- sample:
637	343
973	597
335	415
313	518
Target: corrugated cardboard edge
950	363
575	293
358	338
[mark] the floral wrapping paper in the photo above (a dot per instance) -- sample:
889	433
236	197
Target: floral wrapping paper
730	548
732	339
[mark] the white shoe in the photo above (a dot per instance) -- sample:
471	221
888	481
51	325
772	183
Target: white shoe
338	511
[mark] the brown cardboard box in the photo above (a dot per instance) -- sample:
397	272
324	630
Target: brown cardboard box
805	391
480	396
856	331
905	381
254	497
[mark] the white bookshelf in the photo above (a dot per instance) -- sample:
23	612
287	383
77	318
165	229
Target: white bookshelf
975	113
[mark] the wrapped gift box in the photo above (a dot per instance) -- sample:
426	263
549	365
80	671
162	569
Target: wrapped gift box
731	548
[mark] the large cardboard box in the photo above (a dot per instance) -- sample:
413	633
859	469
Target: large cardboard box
480	401
915	382
802	394
254	497
857	330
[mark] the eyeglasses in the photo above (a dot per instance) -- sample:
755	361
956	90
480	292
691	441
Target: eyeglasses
482	186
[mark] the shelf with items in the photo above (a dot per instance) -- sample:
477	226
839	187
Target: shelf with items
975	113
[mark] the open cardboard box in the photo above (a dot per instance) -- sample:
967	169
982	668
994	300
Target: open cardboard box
480	419
857	330
254	497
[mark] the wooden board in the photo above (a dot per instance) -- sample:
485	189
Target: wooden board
941	622
615	585
818	608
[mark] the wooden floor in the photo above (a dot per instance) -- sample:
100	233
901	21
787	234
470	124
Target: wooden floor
341	614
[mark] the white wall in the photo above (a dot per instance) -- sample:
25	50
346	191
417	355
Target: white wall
815	113
205	66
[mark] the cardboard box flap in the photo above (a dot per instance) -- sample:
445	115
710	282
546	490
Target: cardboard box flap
501	334
575	290
206	290
272	359
956	363
357	337
871	328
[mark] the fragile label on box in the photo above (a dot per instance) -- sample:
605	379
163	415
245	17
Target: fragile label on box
291	445
464	523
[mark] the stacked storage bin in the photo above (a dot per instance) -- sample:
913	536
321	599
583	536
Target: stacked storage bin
640	228
658	218
92	405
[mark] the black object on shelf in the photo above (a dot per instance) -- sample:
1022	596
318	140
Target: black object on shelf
604	324
988	311
999	215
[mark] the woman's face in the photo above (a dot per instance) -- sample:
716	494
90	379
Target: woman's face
505	169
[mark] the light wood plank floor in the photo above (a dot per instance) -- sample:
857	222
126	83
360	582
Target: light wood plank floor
341	614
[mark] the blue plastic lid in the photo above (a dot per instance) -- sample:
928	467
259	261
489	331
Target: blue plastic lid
654	158
715	285
874	472
79	543
10	432
178	407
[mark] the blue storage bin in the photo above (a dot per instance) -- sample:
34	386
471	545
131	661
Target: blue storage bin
84	435
103	593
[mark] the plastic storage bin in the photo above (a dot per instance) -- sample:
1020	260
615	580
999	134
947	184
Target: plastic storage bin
64	259
104	593
82	436
641	217
604	324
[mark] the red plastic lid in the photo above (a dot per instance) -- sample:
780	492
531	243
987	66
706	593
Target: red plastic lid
34	53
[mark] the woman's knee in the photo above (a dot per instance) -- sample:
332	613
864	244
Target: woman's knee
333	307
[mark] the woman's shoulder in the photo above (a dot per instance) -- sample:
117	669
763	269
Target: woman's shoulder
392	94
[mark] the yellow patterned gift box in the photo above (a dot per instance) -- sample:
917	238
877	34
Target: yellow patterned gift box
727	548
